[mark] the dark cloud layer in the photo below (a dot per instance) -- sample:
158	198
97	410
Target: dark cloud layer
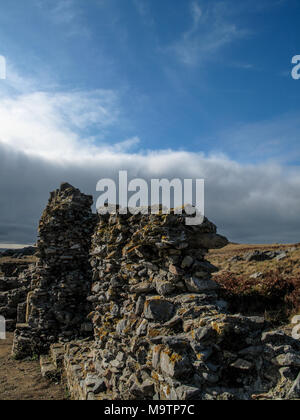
254	204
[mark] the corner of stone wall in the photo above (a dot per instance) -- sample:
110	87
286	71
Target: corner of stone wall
56	306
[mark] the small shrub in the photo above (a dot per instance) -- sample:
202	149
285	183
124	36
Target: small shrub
275	294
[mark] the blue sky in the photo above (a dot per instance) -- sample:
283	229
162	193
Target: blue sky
188	74
131	79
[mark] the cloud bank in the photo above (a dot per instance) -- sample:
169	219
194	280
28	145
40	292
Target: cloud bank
49	137
250	203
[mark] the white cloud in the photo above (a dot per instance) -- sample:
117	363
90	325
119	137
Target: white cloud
44	141
48	125
211	29
196	12
251	203
67	13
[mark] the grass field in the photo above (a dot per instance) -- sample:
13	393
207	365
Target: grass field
290	265
275	292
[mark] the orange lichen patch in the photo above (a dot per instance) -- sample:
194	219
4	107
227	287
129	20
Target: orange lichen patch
153	333
147	303
111	255
127	250
102	334
167	351
167	390
219	327
155	376
182	311
175	357
131	325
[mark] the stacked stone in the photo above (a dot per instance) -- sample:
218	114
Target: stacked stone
151	284
13	269
57	305
14	287
161	332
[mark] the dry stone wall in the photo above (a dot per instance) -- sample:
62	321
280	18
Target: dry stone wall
128	306
56	305
14	287
161	330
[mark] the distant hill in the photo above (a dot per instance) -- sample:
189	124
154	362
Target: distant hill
19	252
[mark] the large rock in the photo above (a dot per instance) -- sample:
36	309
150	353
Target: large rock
158	310
197	285
210	241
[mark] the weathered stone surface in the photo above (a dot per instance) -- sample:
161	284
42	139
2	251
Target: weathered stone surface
186	392
295	390
187	262
210	241
264	255
48	369
174	365
61	280
197	285
158	310
165	288
160	327
242	364
288	359
13	292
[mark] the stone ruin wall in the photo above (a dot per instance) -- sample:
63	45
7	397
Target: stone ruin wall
161	330
56	305
14	287
131	306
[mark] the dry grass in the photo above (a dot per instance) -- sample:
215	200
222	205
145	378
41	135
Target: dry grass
26	259
289	266
17	261
22	380
276	293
